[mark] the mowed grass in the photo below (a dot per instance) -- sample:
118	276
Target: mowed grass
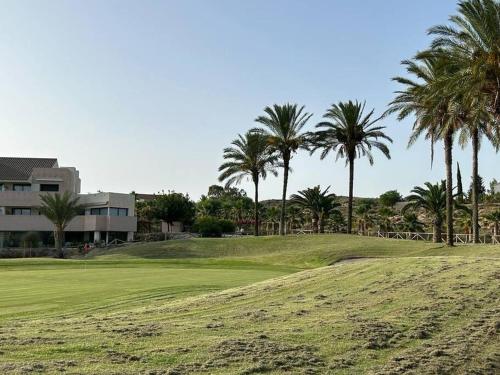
247	305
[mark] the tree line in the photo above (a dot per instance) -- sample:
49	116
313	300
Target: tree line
453	93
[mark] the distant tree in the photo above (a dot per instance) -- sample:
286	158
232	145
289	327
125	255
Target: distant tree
351	134
390	198
60	209
283	128
173	207
493	184
215	191
431	199
481	189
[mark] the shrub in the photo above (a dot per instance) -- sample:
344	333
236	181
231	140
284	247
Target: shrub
209	226
227	226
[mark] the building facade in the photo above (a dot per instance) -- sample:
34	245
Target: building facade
104	216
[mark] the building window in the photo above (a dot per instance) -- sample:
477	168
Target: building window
49	187
21	211
114	211
103	211
2	187
22	187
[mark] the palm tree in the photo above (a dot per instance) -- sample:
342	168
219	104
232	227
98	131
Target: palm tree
250	156
464	221
293	215
384	218
364	217
472	44
494	218
60	210
336	221
350	134
431	199
283	126
433	110
411	223
272	216
319	203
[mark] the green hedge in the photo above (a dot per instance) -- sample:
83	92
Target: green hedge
212	227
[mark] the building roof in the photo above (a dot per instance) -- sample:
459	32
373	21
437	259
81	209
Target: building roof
20	169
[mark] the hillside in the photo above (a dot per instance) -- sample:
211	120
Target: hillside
407	307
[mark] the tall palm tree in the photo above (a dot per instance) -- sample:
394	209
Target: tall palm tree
473	130
319	203
432	108
249	156
472	43
431	199
351	134
60	209
283	127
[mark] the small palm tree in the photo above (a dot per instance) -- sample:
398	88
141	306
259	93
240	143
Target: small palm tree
411	223
364	218
494	218
431	199
283	127
60	210
351	134
319	203
384	218
272	217
465	222
251	157
336	221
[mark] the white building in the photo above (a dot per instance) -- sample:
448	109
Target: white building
104	217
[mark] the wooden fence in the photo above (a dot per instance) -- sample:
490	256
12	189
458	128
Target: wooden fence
417	236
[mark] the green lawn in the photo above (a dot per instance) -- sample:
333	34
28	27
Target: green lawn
255	305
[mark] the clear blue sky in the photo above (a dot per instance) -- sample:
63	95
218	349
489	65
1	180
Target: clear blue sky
144	95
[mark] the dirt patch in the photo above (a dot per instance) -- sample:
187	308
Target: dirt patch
265	354
453	353
377	334
119	357
141	330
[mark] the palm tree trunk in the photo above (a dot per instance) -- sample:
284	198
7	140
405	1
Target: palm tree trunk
59	239
437	236
286	167
448	146
256	230
475	198
349	204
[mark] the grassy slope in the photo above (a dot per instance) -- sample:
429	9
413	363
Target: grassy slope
415	312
